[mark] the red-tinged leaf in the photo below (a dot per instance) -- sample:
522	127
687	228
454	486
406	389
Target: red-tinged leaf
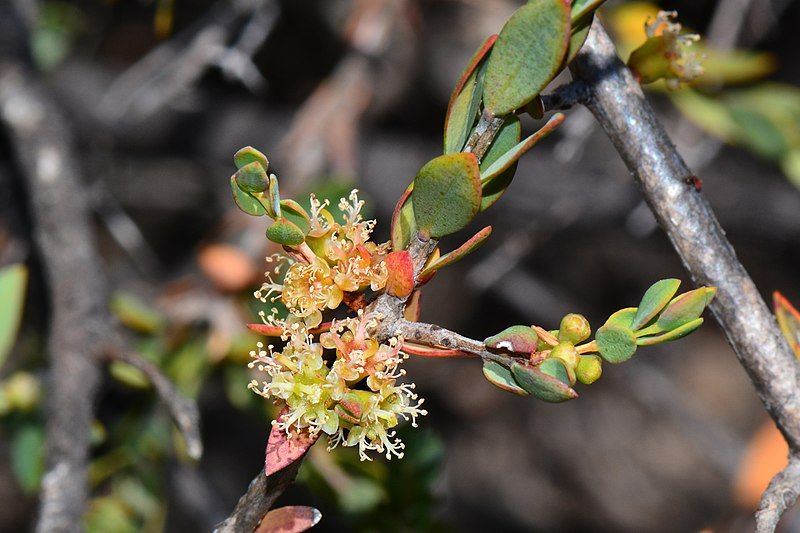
400	282
283	450
476	59
509	158
290	519
788	320
403	224
275	331
427	351
413	306
456	255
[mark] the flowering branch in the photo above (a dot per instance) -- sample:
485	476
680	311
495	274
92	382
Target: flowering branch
621	109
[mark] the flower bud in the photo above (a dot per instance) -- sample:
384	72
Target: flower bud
22	391
567	354
589	369
574	328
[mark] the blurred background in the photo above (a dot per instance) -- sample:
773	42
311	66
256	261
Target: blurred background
158	94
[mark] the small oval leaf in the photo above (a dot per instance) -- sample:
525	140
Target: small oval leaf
248	155
246	201
13	281
788	320
654	300
447	194
519	67
542	385
507	138
509	158
285	232
673	335
501	377
517	339
616	344
403	223
252	178
472	244
462	114
623	317
685	308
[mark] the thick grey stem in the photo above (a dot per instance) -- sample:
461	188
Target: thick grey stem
668	186
43	149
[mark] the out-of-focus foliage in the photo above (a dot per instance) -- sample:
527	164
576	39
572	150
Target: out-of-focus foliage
763	117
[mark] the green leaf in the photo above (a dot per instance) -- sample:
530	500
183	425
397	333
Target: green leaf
579	32
27	457
296	214
447	194
252	178
538	381
128	375
506	139
581	9
284	232
403	223
246	201
458	254
501	377
788	319
654	300
685	308
521	65
622	318
462	114
518	339
675	334
135	314
502	163
13	280
274	197
248	155
616	344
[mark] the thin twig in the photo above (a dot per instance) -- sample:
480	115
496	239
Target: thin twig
620	107
183	410
781	494
259	498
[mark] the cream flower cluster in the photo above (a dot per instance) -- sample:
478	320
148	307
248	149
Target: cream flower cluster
684	64
345	383
344	261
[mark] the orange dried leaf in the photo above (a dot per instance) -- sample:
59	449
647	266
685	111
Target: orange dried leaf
289	519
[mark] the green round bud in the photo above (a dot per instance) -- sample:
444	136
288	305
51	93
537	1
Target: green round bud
574	328
589	369
567	354
22	391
